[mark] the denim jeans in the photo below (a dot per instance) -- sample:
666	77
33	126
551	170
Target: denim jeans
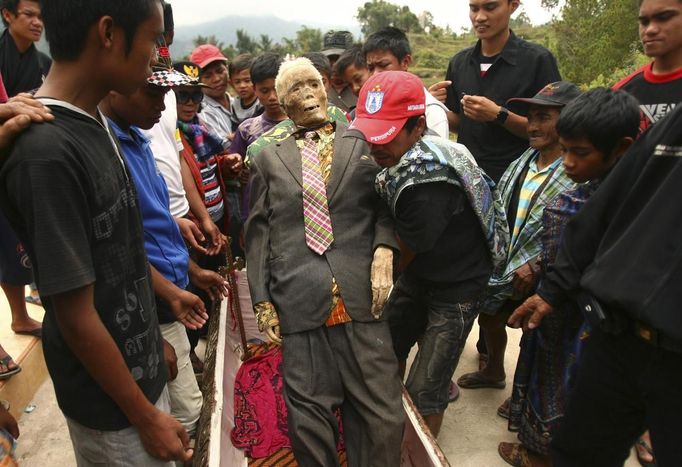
439	322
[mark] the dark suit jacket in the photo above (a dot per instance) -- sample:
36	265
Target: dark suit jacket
280	266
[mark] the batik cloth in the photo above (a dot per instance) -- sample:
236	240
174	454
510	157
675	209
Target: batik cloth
549	356
434	159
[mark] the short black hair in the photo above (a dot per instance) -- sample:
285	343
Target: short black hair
602	116
265	67
389	38
320	61
11	6
168	22
353	56
67	22
240	62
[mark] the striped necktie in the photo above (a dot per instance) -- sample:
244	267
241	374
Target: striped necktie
318	224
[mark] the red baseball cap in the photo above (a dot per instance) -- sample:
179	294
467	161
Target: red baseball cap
385	103
206	54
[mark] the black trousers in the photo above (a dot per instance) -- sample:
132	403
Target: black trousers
624	386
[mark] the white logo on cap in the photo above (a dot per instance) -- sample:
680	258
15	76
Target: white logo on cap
374	101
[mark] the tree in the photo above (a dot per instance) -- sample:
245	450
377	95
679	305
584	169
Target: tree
212	39
265	44
245	44
308	40
378	14
595	37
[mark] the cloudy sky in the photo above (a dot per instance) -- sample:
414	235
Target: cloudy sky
454	13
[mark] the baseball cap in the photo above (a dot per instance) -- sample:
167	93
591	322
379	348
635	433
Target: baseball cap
385	103
336	42
170	78
190	70
556	94
206	54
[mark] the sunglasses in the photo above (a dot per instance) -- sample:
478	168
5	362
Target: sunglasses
183	97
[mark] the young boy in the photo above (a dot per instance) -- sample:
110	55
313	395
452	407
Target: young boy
351	67
246	105
594	131
389	49
172	268
69	197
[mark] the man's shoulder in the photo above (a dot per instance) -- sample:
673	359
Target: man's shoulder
462	56
531	49
632	77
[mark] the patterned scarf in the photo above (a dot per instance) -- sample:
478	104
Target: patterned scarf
434	159
204	142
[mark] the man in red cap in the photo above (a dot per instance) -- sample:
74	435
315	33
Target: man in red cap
451	220
215	111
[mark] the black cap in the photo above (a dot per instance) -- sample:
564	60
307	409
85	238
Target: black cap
190	69
556	94
336	42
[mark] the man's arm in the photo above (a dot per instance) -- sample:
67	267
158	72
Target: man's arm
258	236
482	109
83	331
186	307
18	114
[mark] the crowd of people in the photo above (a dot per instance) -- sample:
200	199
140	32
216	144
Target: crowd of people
369	235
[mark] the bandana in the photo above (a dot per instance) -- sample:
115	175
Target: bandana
433	159
204	143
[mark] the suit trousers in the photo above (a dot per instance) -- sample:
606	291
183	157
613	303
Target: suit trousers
351	366
624	385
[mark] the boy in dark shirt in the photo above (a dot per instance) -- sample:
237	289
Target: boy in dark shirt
68	195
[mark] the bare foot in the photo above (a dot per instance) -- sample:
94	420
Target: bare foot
480	379
27	325
645	453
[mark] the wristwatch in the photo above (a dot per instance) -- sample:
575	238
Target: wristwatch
502	116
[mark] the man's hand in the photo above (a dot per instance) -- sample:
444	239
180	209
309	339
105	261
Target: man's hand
232	165
18	114
268	321
216	240
479	108
8	422
439	90
523	281
192	235
188	309
164	437
171	360
209	281
530	314
382	278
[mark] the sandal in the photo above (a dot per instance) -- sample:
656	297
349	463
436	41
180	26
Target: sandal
453	392
641	443
518	455
474	381
503	410
34	300
5	370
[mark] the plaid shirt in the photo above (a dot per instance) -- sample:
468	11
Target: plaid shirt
526	246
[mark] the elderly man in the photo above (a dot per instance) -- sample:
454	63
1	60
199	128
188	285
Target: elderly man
319	266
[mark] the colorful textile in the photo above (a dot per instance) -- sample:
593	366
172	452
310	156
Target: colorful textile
204	142
317	222
434	159
550	354
525	245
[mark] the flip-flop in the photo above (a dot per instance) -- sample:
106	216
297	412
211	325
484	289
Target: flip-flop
4	363
36	332
473	381
518	455
643	444
33	300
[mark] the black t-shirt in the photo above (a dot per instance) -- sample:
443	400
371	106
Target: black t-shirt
70	200
657	94
436	221
520	70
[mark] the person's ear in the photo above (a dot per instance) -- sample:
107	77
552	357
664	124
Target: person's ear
622	146
514	4
105	31
8	16
406	62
